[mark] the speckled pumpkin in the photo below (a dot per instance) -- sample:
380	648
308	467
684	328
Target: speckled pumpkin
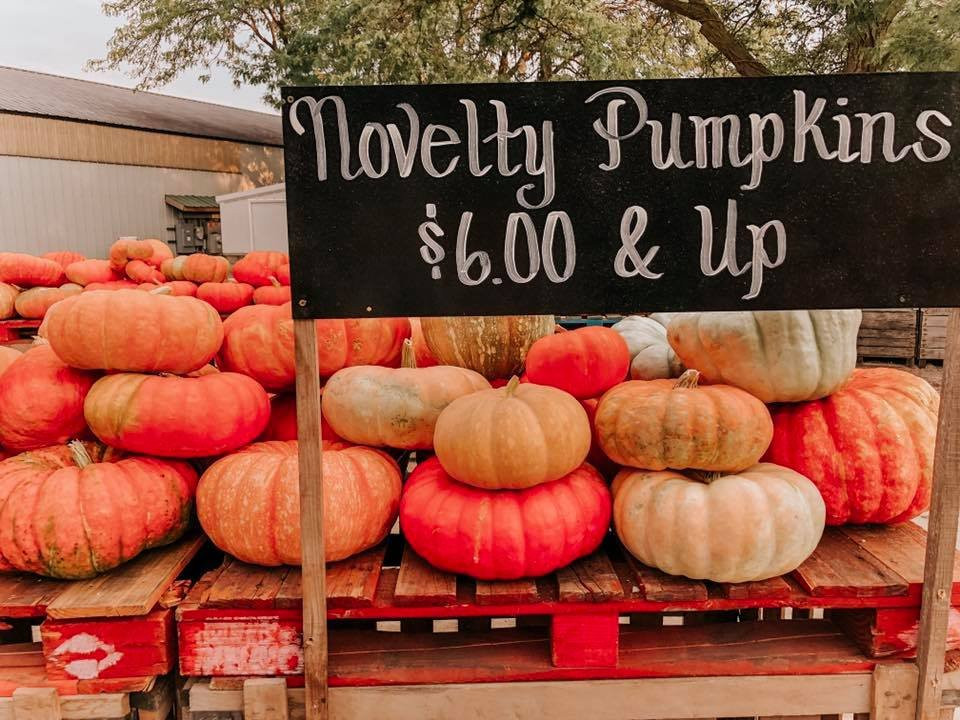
651	357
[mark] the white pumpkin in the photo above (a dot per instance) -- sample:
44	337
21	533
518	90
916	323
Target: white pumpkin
777	356
651	357
752	525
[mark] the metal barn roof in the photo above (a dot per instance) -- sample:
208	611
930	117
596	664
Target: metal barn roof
193	203
33	93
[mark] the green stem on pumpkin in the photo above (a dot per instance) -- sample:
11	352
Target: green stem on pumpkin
511	386
408	359
704	476
689	379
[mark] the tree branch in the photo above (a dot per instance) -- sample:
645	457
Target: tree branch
862	44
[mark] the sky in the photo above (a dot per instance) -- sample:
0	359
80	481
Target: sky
60	36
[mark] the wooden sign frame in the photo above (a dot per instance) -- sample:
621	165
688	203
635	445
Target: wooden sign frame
940	550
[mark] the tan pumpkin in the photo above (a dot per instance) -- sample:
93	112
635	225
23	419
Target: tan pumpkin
778	356
394	407
514	437
660	424
757	524
34	303
172	268
8	301
494	346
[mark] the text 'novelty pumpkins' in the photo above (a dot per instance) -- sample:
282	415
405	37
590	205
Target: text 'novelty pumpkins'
394	407
585	362
67	515
512	437
868	448
756	524
134	331
503	534
184	417
659	424
779	356
249	502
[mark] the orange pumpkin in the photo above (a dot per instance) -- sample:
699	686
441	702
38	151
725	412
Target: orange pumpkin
41	400
65	258
513	437
114	285
85	272
139	271
159	251
34	303
25	270
249	502
597	457
283	420
257	267
394	407
202	268
7	357
175	416
177	287
226	297
66	514
8	301
660	424
272	294
283	274
421	352
585	362
258	341
134	331
126	249
172	268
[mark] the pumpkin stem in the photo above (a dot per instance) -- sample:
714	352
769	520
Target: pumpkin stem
511	386
704	476
275	282
409	358
161	290
80	455
689	379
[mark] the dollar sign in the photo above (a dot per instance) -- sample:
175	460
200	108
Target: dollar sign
431	251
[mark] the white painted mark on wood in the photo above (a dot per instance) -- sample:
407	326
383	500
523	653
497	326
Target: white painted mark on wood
99	656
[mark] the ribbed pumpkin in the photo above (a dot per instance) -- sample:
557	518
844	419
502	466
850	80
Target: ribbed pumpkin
512	437
868	447
421	353
141	272
651	357
85	272
257	267
25	270
659	424
125	284
394	407
585	362
41	400
159	251
7	357
272	294
494	346
226	297
283	420
65	258
283	274
258	341
777	356
249	502
8	301
34	302
178	288
126	249
503	534
172	268
134	331
182	417
597	457
202	268
757	524
75	517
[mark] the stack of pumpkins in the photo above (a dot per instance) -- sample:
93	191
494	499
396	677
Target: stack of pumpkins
29	284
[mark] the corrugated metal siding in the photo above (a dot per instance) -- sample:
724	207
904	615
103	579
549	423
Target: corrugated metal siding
58	204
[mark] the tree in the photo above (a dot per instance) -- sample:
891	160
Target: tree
277	42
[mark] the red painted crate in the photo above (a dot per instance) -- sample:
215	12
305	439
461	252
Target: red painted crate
606	616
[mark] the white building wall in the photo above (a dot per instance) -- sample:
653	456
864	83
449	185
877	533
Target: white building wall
50	205
254	220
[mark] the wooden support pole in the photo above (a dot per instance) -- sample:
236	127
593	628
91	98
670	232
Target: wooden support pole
941	533
311	521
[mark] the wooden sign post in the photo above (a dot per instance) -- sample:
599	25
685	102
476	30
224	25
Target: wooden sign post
625	196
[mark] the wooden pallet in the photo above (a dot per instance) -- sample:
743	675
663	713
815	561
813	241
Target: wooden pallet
17	329
888	334
593	619
112	633
933	333
152	699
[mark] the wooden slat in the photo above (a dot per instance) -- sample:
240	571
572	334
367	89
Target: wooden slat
773	588
265	699
898	547
419	583
590	579
839	567
353	582
36	704
290	594
131	589
247	586
894	692
660	587
24	596
507	592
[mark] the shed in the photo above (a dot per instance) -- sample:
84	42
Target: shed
254	220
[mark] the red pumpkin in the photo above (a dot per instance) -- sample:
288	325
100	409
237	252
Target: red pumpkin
34	303
249	502
41	400
177	417
273	294
585	362
226	297
868	447
597	457
64	258
29	271
283	420
421	352
85	272
503	534
257	267
67	515
7	357
140	272
258	341
283	274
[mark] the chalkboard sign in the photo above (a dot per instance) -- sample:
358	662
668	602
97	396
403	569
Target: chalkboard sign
624	196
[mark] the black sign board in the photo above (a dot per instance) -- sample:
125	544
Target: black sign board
624	196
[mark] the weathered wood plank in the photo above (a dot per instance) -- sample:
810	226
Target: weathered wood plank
660	587
418	582
353	582
248	586
589	579
839	567
507	592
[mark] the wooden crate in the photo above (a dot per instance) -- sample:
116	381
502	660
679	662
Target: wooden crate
888	334
603	617
150	699
933	333
17	329
111	634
